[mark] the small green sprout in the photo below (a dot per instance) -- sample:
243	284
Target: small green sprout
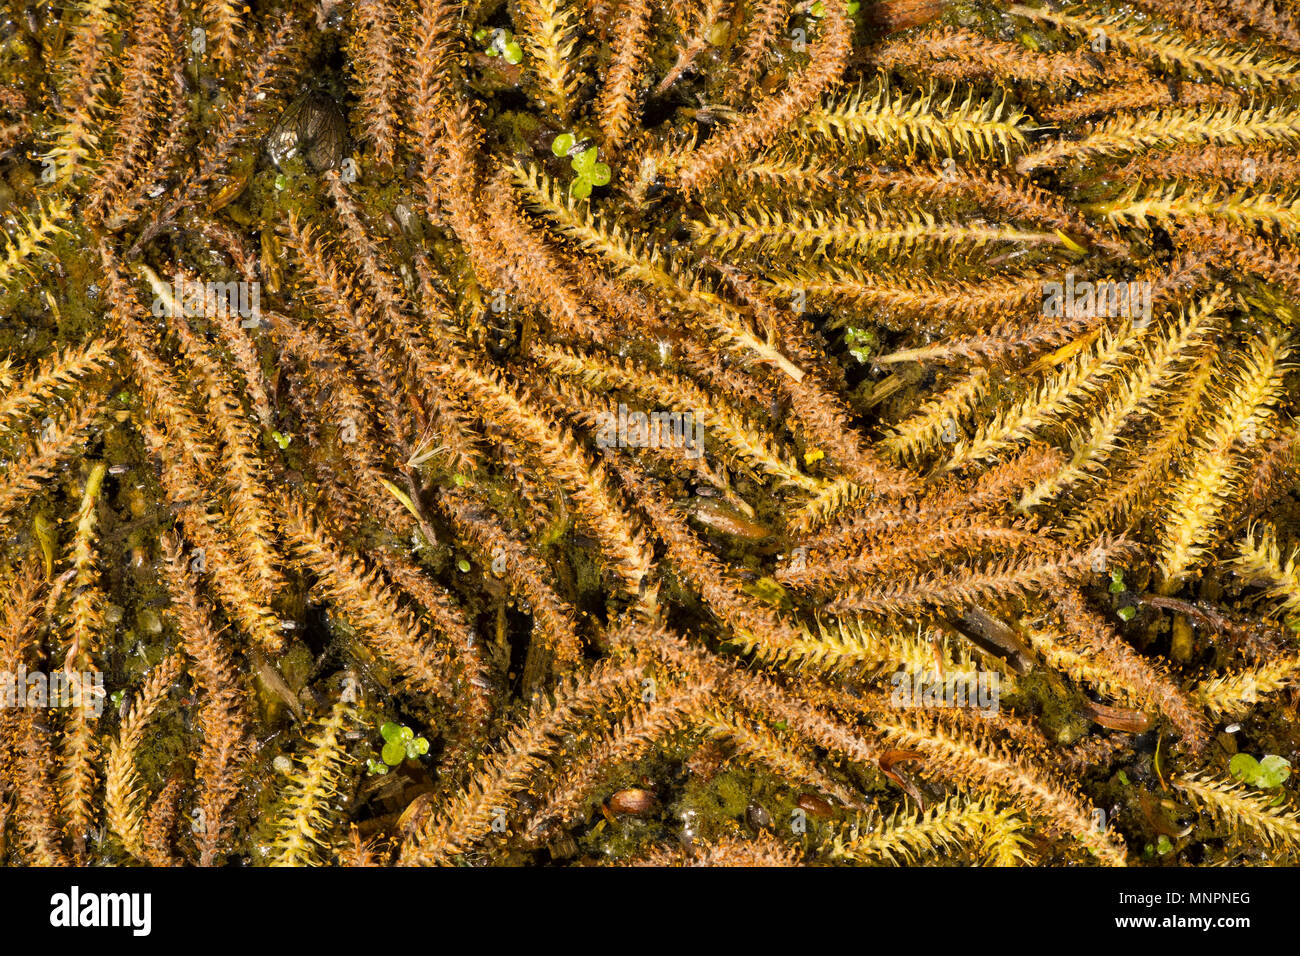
400	743
1269	772
116	698
1116	581
376	768
561	145
861	343
1127	613
589	172
1123	778
462	564
500	43
281	439
1163	846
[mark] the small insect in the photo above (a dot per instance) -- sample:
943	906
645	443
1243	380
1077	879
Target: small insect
313	127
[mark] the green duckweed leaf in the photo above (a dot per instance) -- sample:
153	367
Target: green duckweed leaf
394	752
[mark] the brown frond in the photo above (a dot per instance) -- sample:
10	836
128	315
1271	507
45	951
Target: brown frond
617	101
564	462
773	115
369	604
374	57
125	796
223	720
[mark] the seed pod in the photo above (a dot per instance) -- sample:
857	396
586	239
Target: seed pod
272	277
633	802
723	517
815	806
232	188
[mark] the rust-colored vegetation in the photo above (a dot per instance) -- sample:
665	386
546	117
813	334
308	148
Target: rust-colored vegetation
378	565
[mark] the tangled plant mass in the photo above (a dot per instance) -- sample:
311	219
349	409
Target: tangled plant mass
355	357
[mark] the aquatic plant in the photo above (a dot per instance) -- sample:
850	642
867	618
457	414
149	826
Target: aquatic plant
713	432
